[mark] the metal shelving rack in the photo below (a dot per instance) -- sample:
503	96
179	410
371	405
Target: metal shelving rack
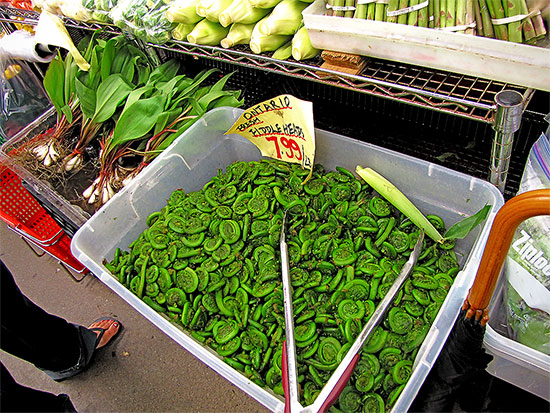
448	93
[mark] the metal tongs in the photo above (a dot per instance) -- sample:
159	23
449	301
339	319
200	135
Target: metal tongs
341	375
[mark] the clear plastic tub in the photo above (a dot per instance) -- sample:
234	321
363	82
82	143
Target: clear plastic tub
196	156
514	362
515	63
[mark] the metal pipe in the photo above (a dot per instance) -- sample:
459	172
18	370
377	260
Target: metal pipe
509	109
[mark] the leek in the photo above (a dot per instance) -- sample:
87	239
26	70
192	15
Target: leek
283	52
238	34
264	4
301	46
241	11
207	33
395	197
211	9
183	11
286	18
181	31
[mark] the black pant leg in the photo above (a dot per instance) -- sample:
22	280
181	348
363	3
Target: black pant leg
32	334
17	398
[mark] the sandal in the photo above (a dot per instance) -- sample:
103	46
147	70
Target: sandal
101	331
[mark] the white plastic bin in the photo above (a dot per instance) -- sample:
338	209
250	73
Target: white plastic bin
514	362
515	63
196	156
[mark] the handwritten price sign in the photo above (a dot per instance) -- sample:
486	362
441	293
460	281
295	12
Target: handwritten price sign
282	128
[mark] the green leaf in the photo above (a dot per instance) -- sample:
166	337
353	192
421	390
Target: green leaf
211	96
230	100
220	84
137	120
68	113
136	94
110	94
54	80
463	228
164	72
120	60
169	86
86	97
71	69
108	57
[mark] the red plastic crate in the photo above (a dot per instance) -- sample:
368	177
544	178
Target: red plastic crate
24	215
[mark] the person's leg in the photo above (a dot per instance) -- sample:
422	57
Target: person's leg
17	398
52	344
32	334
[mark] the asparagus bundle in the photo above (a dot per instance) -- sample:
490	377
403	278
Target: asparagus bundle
514	21
503	19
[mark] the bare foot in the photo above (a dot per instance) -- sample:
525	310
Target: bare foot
109	328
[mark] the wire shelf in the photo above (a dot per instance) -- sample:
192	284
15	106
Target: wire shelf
459	95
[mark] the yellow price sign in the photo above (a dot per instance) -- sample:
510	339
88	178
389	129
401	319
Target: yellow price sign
282	128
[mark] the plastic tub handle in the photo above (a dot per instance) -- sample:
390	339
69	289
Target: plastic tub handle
516	210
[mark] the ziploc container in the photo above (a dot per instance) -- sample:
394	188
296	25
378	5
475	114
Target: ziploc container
195	157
